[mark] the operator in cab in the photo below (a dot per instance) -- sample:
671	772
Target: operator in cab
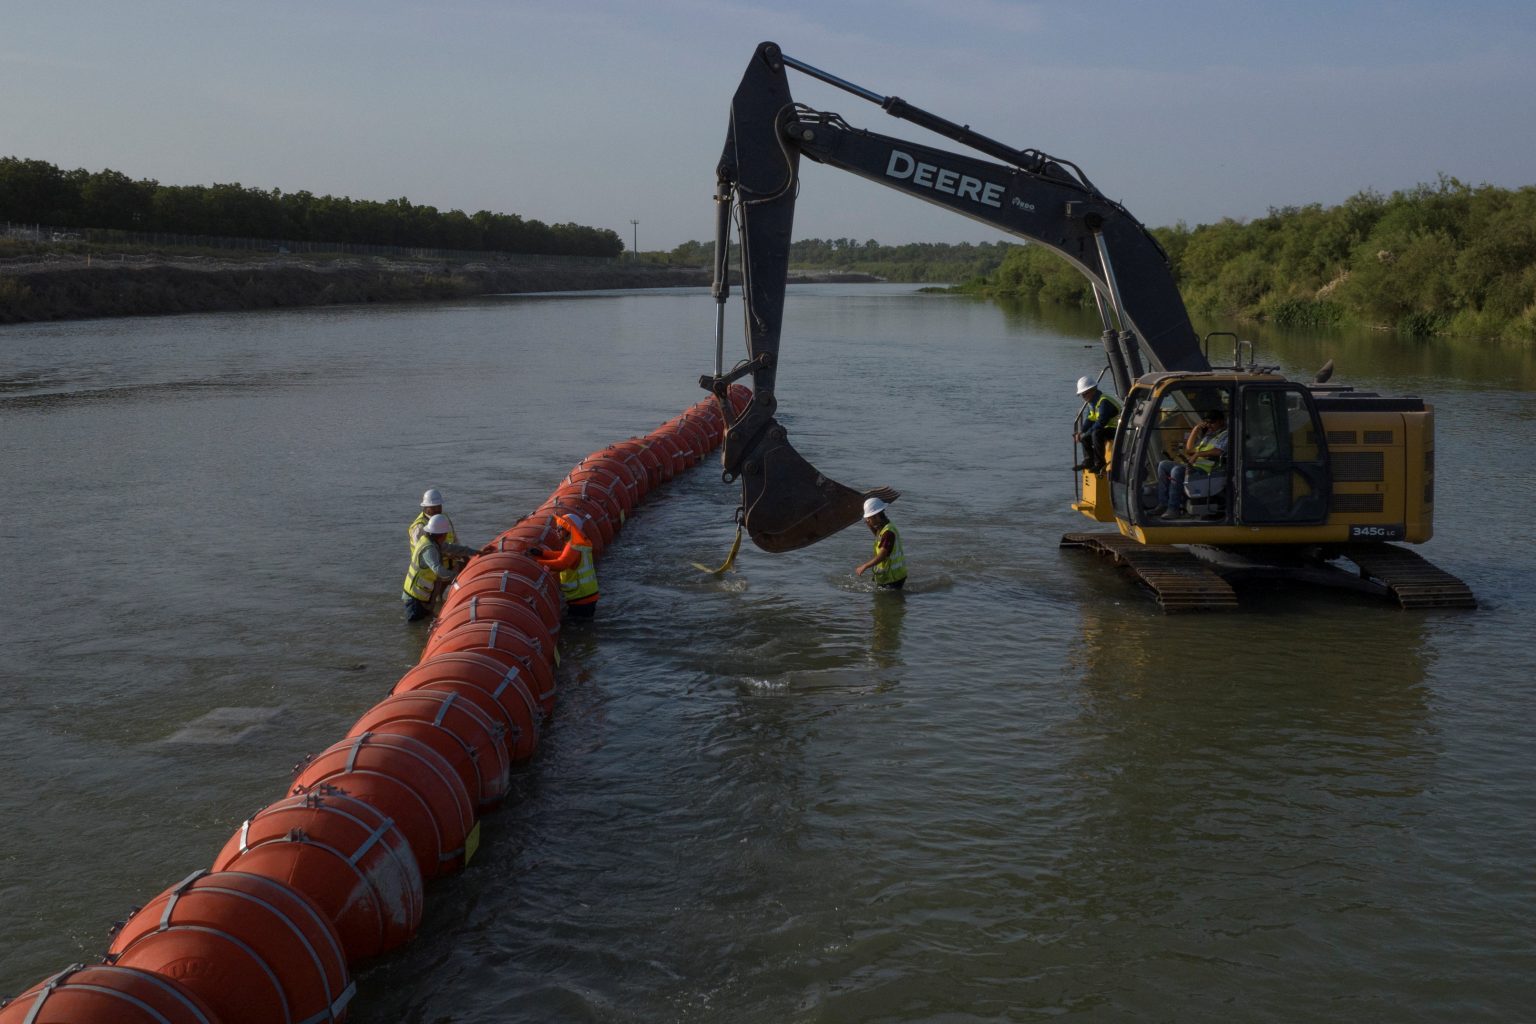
578	573
890	561
1205	450
428	575
1095	425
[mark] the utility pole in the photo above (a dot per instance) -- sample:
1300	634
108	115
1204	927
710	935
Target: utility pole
636	250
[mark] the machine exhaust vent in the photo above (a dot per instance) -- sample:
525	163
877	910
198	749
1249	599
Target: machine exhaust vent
1378	437
1357	467
1352	503
1343	437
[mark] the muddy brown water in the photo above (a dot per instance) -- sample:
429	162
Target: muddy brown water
1016	792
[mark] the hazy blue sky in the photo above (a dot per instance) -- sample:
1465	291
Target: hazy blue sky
599	111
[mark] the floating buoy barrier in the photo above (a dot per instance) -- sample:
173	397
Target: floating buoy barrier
498	688
412	783
346	855
507	645
479	740
494	608
122	995
333	873
253	949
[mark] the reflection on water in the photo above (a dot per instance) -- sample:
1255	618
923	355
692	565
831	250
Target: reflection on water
888	611
1228	785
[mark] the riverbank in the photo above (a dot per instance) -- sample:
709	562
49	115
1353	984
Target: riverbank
76	286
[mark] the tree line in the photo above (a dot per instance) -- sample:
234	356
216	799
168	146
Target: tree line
1443	258
35	191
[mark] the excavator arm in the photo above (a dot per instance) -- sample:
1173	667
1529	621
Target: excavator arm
787	503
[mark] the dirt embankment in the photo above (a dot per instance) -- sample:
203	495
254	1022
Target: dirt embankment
136	286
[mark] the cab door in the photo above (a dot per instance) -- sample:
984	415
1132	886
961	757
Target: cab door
1130	440
1283	462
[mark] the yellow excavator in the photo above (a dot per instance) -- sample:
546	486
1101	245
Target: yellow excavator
1312	481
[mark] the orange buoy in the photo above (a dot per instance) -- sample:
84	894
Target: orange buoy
708	411
705	438
645	454
512	585
602	529
498	688
512	561
616	500
252	948
741	397
476	744
690	440
346	855
530	533
631	476
509	646
496	608
592	499
104	992
410	782
670	449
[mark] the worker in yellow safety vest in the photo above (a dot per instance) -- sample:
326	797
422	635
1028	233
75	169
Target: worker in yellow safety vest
1095	425
889	561
431	505
428	574
578	573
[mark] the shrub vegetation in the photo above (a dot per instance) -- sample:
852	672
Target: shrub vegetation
1446	258
34	191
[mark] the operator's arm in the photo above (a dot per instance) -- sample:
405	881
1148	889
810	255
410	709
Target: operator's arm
1192	442
887	543
568	558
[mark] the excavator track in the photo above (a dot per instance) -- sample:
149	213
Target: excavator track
1408	577
1180	581
1184	580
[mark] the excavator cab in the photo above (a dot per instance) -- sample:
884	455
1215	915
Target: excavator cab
1273	467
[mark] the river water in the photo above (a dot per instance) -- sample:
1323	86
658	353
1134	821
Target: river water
1016	792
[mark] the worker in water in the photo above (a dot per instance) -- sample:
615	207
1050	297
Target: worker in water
1095	425
428	574
889	561
431	505
578	573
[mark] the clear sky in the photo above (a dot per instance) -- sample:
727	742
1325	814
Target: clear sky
602	111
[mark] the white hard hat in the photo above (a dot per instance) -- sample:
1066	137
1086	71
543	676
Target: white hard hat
873	507
432	497
439	525
1085	384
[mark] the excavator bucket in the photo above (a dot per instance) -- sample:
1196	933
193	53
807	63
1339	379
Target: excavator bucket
789	504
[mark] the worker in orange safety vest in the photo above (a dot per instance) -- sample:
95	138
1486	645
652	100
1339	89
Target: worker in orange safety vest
578	574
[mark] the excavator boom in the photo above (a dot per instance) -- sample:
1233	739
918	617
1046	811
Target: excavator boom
788	504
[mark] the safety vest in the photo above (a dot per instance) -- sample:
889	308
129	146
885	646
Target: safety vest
579	582
1209	452
420	580
1104	412
894	568
419	525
